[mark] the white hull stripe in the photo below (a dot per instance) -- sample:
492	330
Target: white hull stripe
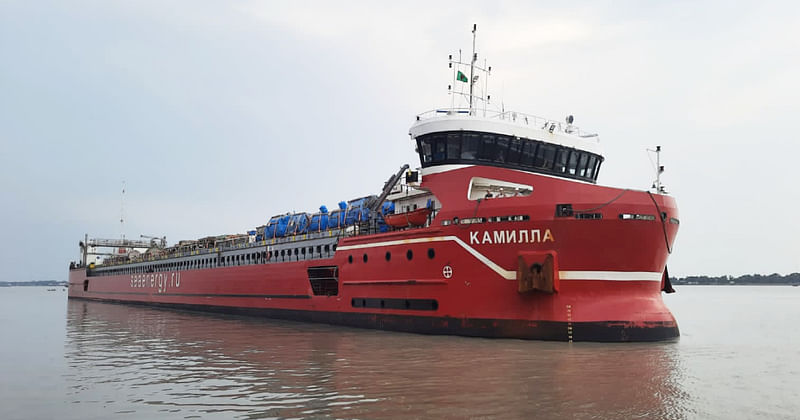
610	275
512	275
439	169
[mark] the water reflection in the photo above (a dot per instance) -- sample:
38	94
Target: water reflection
168	363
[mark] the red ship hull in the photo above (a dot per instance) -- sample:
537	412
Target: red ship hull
456	278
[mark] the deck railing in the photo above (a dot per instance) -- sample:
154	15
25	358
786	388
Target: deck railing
513	117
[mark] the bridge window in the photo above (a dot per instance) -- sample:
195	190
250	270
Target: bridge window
439	148
590	166
514	150
582	165
453	146
501	149
469	146
545	156
425	152
507	151
572	166
528	154
561	160
487	148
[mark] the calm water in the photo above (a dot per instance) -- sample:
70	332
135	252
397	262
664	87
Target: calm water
738	357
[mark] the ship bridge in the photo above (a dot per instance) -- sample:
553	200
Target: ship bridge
476	135
509	140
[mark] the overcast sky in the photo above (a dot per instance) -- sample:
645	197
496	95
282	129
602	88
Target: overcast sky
219	115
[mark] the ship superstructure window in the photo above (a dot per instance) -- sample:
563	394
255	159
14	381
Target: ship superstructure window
507	151
453	146
572	166
584	158
561	160
545	156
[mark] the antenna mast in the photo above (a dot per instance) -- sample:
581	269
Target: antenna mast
122	213
459	77
660	189
472	68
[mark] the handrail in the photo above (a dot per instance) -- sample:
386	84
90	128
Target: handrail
205	251
514	117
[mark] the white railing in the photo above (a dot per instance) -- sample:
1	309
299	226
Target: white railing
514	117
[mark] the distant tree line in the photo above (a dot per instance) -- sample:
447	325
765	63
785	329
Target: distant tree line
774	278
34	283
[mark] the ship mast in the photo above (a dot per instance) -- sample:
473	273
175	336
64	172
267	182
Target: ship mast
474	74
660	189
472	69
122	213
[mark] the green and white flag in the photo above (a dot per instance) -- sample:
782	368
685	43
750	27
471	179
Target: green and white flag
462	78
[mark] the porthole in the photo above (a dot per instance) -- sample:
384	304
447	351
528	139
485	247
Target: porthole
303	251
350	259
334	247
431	253
365	258
327	248
388	256
409	254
